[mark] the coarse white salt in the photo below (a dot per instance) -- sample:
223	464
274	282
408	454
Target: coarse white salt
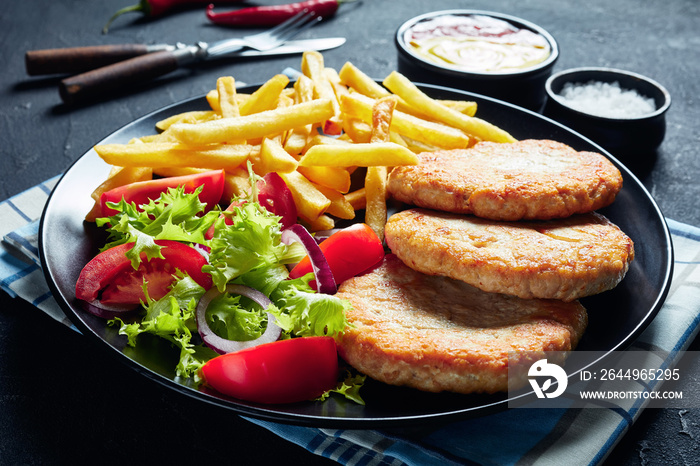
607	100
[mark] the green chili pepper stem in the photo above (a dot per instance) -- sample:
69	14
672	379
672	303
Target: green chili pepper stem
142	6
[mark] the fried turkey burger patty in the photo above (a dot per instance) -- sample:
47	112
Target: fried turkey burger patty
437	334
562	259
530	179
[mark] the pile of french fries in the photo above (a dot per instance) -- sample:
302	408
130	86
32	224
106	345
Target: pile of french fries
315	134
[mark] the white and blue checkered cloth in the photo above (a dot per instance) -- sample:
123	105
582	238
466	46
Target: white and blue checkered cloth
526	436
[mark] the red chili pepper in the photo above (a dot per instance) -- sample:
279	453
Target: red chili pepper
271	15
154	8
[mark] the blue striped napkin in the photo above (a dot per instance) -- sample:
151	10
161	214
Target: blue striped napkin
531	436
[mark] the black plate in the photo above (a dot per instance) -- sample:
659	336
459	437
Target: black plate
616	317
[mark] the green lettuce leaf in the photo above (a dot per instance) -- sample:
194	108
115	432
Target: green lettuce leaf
229	319
175	215
304	312
253	241
264	279
349	388
173	318
299	310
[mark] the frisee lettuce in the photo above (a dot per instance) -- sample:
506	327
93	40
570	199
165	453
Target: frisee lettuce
349	388
175	215
304	312
252	241
299	309
173	318
229	319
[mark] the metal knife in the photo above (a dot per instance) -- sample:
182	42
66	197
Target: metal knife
131	63
72	60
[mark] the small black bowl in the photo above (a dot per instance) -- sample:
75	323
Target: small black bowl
629	138
522	87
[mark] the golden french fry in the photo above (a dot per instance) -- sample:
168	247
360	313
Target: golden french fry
382	112
112	172
345	137
320	139
321	223
339	89
310	202
361	155
419	146
353	77
357	198
283	101
236	183
375	195
266	96
304	89
119	176
467	107
226	90
189	117
312	65
167	172
296	139
273	158
213	100
289	92
167	135
253	126
404	124
226	156
397	139
161	137
403	87
357	129
339	206
336	178
376	177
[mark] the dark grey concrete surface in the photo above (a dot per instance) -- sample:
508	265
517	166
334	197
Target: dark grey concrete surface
62	402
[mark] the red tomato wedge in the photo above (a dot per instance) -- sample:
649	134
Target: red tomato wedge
110	277
275	196
285	371
349	252
141	192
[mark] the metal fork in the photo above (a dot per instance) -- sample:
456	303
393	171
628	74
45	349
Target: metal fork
152	65
269	39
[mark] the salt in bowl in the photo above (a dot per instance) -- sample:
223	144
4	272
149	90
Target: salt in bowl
622	111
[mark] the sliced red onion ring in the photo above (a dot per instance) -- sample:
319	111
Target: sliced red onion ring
222	345
324	277
108	312
202	249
